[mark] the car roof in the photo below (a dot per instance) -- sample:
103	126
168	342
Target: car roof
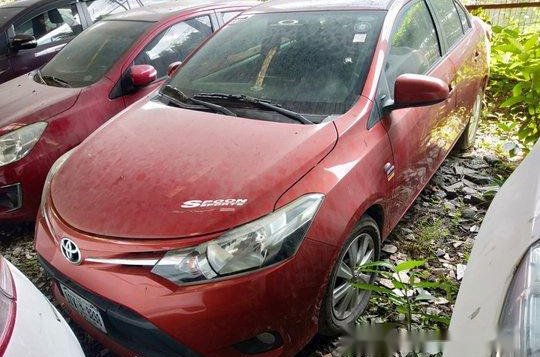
313	5
25	3
159	12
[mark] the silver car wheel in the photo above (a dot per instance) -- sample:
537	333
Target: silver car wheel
345	297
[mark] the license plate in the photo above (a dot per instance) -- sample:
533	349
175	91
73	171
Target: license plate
85	308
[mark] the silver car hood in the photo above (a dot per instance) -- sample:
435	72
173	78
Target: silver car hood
511	225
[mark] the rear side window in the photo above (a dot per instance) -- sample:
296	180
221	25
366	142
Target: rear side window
446	13
463	17
414	44
175	43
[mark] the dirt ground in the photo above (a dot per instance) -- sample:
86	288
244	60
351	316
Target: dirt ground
440	227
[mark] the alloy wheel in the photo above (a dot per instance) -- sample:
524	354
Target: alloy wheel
345	297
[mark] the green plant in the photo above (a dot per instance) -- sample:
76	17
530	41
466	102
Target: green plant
411	288
515	79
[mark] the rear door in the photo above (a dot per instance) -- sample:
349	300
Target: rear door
172	44
416	134
465	49
53	26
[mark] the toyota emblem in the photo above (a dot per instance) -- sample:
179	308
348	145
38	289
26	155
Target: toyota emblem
70	251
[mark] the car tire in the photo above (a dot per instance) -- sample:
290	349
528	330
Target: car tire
334	318
466	141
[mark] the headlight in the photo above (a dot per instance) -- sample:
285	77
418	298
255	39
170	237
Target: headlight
520	317
258	244
54	169
18	143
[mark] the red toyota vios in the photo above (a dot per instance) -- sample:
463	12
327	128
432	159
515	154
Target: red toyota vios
105	69
226	215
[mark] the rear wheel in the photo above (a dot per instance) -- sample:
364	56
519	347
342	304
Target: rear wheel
469	134
343	303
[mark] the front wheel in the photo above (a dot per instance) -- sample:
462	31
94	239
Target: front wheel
343	303
469	134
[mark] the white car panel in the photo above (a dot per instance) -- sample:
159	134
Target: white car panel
510	227
39	328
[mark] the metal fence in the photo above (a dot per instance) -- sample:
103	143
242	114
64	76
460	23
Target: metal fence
502	12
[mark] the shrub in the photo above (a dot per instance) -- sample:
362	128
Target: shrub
515	78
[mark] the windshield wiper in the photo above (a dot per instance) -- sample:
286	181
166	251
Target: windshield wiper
266	104
180	99
54	79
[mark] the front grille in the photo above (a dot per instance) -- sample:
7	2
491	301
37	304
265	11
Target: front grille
125	326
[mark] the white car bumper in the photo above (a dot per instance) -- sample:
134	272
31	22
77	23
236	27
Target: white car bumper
39	328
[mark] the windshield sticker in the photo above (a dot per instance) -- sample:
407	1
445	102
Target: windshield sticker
359	38
214	203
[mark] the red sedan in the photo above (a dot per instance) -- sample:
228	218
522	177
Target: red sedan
227	215
105	69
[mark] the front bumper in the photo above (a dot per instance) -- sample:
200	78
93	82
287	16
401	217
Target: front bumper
206	319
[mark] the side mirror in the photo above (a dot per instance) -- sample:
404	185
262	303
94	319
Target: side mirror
173	67
416	90
142	75
23	42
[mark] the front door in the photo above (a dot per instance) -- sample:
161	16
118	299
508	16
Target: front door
52	28
416	134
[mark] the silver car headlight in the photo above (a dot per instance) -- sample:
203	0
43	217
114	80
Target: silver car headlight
18	143
520	317
255	245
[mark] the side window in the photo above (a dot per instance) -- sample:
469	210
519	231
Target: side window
446	13
3	44
228	16
4	65
98	9
464	18
414	44
52	26
175	43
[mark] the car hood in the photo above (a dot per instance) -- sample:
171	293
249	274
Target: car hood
24	101
131	178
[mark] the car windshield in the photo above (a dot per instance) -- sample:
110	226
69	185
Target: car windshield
90	55
313	63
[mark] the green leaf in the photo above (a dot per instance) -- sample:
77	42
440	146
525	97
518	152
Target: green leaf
517	90
379	264
375	288
427	284
512	101
409	264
